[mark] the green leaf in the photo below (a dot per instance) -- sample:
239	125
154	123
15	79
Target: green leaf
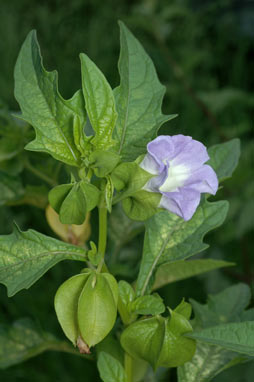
73	201
80	139
147	305
11	188
138	99
110	369
26	256
247	315
224	158
126	292
66	305
103	162
237	336
23	340
170	238
126	296
91	193
58	194
208	361
93	256
180	270
73	209
100	103
226	306
36	91
184	308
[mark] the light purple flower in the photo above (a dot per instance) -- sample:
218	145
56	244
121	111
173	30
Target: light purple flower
178	161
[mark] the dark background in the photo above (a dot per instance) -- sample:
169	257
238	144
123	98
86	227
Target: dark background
203	51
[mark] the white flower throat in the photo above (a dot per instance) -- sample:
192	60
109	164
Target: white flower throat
176	177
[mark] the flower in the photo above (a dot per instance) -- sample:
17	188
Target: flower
181	175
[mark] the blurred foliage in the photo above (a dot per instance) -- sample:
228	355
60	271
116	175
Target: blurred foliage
203	51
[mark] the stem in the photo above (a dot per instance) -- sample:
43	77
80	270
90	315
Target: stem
102	234
40	174
66	348
128	366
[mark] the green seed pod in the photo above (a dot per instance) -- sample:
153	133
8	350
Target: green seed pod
97	307
144	339
160	340
66	304
86	307
177	349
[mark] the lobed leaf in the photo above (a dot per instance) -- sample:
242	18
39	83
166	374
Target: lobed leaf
26	256
52	117
138	99
226	306
170	238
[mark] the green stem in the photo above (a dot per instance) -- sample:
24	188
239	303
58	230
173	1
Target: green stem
66	348
128	366
102	234
40	174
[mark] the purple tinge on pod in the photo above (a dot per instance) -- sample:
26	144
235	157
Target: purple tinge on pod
178	162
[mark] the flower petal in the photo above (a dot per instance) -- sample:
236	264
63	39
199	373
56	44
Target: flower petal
203	180
180	141
183	203
161	148
149	164
177	175
157	181
189	152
